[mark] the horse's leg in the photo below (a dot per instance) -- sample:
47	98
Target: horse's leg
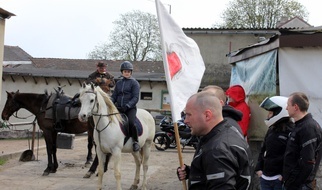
94	165
137	160
49	148
108	157
55	166
117	171
90	141
145	152
49	159
92	169
101	161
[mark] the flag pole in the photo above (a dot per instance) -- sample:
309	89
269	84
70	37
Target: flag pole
176	132
181	60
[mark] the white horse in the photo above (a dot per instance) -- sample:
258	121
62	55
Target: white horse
109	137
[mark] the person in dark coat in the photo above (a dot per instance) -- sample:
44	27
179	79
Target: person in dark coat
223	159
271	157
102	78
303	151
125	97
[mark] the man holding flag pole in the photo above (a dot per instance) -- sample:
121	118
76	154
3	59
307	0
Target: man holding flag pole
184	69
183	64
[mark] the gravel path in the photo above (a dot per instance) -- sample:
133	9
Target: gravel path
16	175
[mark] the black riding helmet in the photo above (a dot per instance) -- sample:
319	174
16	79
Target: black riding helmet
126	65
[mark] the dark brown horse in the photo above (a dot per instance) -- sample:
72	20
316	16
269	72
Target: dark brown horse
36	104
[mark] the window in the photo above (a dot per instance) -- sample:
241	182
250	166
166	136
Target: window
146	95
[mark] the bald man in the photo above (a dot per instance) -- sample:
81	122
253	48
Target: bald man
232	115
222	159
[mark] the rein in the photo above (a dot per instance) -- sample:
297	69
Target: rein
15	114
100	116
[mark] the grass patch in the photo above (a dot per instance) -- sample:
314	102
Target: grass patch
2	161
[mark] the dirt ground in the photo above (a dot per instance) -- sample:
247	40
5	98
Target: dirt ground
16	175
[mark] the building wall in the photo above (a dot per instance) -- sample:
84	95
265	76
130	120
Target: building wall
215	44
29	86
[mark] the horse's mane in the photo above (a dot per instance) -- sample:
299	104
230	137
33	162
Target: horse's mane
111	107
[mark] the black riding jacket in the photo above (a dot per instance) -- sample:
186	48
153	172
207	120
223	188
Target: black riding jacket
271	156
232	115
303	153
222	160
126	93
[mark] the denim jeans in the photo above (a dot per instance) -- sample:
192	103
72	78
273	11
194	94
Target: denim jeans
270	184
303	187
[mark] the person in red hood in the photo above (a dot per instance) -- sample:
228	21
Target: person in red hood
236	98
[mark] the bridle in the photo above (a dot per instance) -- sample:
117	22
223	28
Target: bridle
100	116
97	105
15	113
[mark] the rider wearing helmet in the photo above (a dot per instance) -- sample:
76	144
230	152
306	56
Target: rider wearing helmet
125	97
270	160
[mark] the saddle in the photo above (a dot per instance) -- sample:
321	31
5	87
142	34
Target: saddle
125	127
61	107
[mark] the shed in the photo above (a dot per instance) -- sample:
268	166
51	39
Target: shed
280	65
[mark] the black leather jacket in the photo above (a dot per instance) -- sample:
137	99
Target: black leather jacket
271	156
303	153
222	160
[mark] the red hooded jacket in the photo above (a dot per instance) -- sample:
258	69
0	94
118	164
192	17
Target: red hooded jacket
237	93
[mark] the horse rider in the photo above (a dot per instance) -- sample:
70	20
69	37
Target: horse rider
102	78
125	97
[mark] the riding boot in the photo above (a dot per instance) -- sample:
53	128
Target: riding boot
136	146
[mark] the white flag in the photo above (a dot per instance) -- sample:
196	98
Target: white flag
183	64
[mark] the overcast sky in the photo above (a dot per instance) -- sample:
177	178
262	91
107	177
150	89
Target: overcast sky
72	28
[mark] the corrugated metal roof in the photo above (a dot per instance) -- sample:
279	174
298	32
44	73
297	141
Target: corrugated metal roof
308	37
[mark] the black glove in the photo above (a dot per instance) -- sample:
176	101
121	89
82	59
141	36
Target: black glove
187	170
122	109
125	108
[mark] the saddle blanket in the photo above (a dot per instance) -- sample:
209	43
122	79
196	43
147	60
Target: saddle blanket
138	125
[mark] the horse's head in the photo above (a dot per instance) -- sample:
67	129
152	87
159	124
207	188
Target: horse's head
11	106
88	100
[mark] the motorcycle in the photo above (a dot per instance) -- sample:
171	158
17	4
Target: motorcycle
166	137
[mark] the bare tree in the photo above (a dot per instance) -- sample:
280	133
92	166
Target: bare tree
135	37
260	13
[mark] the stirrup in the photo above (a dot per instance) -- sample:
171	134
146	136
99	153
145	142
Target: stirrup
136	146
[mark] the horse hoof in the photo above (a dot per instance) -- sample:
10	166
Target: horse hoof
88	175
87	164
134	187
45	174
